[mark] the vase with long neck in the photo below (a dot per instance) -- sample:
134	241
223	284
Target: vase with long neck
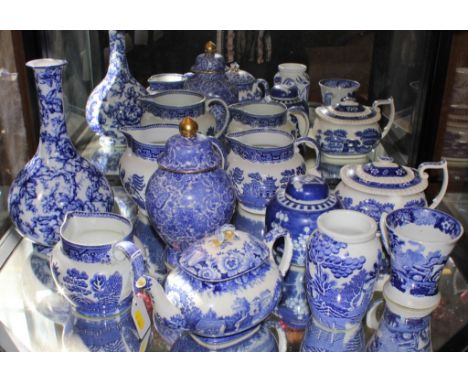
57	179
114	102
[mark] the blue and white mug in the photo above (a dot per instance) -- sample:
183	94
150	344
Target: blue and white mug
335	89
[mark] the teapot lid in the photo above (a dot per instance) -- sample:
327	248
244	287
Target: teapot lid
189	152
349	111
284	91
210	61
224	255
238	76
383	177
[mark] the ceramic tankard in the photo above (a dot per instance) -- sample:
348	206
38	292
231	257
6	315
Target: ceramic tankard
291	73
343	259
335	89
95	264
419	241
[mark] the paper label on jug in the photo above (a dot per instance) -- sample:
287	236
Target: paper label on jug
140	317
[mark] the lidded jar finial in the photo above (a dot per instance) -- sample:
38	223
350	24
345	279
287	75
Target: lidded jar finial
188	127
210	47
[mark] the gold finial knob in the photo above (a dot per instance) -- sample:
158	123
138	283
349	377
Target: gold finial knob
210	47
140	283
229	235
188	127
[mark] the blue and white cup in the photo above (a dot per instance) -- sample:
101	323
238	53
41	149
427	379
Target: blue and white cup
335	89
419	241
343	258
165	81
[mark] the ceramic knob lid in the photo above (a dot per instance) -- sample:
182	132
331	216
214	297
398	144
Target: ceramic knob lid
189	151
210	61
349	111
306	188
238	76
226	254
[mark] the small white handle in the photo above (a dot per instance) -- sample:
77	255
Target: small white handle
435	165
371	315
270	239
302	118
227	114
310	142
282	339
381	102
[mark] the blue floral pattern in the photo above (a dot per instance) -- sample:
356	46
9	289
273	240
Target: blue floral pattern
114	102
337	141
300	80
56	180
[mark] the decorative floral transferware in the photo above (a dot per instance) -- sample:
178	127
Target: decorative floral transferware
190	195
172	106
343	260
108	334
419	241
165	81
334	90
139	161
318	338
96	265
114	102
57	179
294	74
351	129
272	115
288	96
261	161
224	285
249	222
383	186
249	88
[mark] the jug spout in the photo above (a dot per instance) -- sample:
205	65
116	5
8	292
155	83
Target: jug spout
165	311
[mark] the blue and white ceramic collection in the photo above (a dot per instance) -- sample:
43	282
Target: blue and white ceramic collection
351	129
294	74
261	161
288	96
334	90
343	261
383	186
419	241
114	102
95	264
246	116
249	88
224	284
57	179
165	81
190	195
171	106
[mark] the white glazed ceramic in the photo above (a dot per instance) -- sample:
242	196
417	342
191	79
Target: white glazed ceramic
384	186
350	129
294	74
172	106
335	89
272	115
260	161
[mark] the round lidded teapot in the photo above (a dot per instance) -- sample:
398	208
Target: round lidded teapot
190	194
224	284
249	88
349	128
384	186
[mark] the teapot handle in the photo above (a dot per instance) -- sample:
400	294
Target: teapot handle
227	115
384	232
388	101
302	118
219	146
135	255
270	239
314	146
435	165
261	83
371	315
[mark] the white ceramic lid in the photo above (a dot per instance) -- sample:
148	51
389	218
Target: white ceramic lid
349	111
383	177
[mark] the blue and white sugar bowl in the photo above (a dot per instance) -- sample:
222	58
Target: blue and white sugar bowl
250	88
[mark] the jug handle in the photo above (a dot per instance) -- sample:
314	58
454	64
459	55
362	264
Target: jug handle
302	118
135	255
435	165
219	146
384	232
270	239
371	315
227	114
261	83
310	142
282	339
388	101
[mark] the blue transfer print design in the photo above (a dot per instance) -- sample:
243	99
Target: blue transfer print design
40	266
337	141
258	121
301	81
134	186
370	207
56	180
401	334
114	102
152	105
338	305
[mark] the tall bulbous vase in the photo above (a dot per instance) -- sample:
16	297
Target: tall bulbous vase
114	102
57	179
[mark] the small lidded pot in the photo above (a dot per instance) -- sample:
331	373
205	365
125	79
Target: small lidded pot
383	186
250	88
